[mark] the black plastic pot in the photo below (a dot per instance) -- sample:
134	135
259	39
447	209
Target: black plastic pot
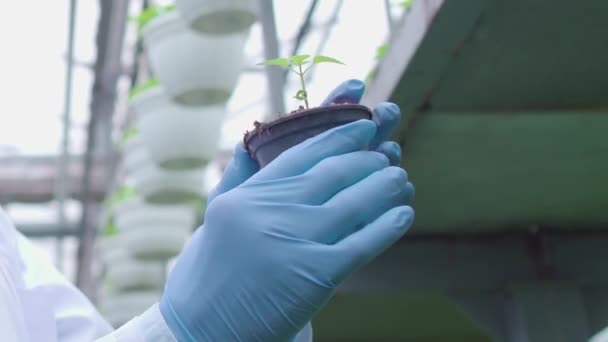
271	139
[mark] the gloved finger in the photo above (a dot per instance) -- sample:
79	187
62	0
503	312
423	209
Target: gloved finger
349	91
300	158
362	203
305	334
359	248
386	115
410	193
238	170
392	150
334	174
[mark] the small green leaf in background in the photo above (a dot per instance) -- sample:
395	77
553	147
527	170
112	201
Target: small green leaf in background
150	13
325	59
299	60
128	135
406	3
110	230
300	95
370	76
282	62
381	51
123	193
200	205
149	84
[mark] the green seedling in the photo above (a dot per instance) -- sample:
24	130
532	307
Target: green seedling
295	64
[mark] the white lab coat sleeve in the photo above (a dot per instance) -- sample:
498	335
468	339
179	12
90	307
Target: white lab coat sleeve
13	326
12	323
151	326
74	318
148	327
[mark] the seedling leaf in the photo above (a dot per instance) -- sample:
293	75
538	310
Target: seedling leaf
299	60
325	59
282	62
295	63
301	95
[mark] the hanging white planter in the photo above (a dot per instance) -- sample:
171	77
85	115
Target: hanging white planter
195	69
112	248
119	308
177	137
133	274
125	272
218	16
134	156
154	232
158	185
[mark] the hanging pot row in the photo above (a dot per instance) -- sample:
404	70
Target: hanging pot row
119	308
124	272
218	16
176	137
197	69
153	232
158	185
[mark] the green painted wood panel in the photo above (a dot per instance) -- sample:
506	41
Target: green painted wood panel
495	55
398	317
487	171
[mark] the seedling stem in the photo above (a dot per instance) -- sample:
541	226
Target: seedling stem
299	61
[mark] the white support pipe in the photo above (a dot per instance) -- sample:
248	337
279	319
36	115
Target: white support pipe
61	189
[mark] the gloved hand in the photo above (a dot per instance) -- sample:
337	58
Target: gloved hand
385	115
274	248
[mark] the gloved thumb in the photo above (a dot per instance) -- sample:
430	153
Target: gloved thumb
238	170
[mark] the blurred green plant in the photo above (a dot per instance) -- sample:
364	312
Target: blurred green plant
381	51
127	135
143	87
110	229
123	193
406	3
150	13
295	64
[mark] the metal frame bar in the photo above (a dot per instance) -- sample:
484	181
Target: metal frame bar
61	190
108	68
276	77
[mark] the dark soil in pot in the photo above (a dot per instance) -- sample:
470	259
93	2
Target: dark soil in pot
268	140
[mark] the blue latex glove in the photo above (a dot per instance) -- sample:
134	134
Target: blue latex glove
385	115
274	248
